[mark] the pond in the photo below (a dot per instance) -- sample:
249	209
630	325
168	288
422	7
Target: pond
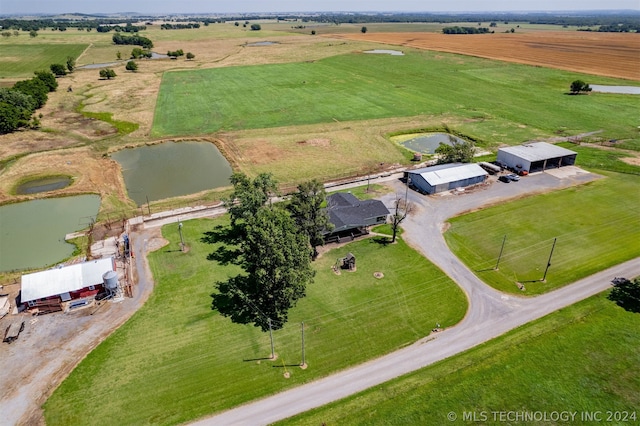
32	233
172	169
425	143
626	90
261	43
50	183
385	52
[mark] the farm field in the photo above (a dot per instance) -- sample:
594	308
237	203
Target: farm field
23	59
177	360
596	225
582	358
604	54
364	86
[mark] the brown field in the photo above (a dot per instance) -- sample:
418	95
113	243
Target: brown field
604	54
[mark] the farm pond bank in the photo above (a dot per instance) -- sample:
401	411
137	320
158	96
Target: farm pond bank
32	233
172	169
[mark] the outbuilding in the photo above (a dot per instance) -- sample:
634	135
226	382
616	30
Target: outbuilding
47	290
445	177
352	217
535	157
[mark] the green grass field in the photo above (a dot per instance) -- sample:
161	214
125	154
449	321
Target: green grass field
177	360
21	60
583	358
597	226
364	86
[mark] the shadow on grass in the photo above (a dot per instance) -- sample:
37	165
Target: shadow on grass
383	241
227	236
266	358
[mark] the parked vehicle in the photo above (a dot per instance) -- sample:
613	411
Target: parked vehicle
513	177
504	179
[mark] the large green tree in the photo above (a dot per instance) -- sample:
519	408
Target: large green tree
275	257
58	69
306	208
35	88
455	152
48	79
249	195
579	86
107	73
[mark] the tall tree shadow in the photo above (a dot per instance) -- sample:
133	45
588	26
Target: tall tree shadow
229	238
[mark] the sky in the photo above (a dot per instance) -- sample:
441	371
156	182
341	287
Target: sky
241	6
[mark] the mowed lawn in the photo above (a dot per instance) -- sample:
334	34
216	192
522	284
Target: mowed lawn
361	86
178	360
583	358
21	60
597	225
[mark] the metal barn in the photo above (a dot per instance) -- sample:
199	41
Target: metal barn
536	157
430	180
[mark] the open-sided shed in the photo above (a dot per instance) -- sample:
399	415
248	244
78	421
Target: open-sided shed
430	180
536	157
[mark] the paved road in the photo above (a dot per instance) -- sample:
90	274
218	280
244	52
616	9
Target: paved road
490	314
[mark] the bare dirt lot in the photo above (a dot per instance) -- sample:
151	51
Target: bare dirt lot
605	54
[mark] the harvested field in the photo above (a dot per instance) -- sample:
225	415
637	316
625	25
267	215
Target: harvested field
605	54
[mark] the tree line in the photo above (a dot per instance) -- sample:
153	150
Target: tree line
136	40
18	103
465	30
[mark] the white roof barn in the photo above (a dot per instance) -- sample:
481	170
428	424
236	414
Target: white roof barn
536	156
53	282
446	177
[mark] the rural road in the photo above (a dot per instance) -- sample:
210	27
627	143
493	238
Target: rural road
491	313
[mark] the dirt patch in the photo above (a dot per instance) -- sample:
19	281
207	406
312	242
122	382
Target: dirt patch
606	54
316	142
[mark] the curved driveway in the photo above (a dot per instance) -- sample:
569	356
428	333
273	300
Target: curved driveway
491	313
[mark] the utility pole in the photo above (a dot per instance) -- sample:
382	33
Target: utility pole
500	255
549	261
304	364
273	355
181	239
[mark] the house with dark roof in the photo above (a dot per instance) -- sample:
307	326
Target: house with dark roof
352	217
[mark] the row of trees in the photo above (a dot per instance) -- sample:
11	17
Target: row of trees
133	40
276	243
465	30
18	104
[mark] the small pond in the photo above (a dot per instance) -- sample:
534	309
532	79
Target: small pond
385	52
172	169
626	90
50	183
32	233
261	43
425	143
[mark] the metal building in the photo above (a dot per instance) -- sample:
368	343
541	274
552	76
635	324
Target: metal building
535	157
430	180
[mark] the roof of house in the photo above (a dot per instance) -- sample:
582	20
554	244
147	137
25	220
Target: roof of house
64	279
537	151
346	211
447	173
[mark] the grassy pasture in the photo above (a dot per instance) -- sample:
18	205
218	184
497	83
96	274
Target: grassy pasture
21	60
582	358
597	226
177	360
364	86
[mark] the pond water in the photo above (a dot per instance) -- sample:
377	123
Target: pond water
426	143
32	233
261	43
50	183
172	169
385	52
626	90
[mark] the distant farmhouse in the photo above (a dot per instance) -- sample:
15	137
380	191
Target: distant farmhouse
352	217
50	290
445	177
535	157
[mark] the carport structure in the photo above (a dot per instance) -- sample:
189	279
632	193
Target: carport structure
535	157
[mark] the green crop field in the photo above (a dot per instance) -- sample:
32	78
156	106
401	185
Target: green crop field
367	86
583	358
177	360
21	60
597	225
